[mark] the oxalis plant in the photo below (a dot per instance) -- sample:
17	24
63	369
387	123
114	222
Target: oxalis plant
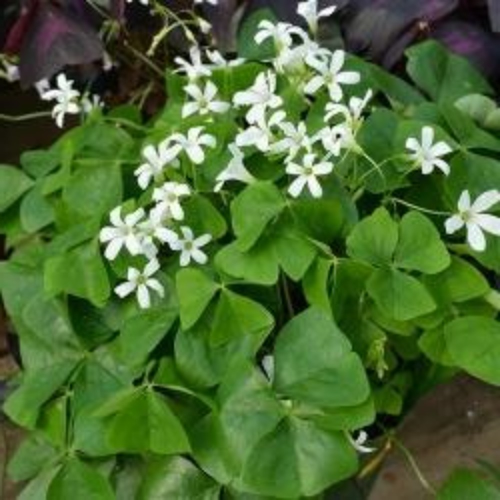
238	298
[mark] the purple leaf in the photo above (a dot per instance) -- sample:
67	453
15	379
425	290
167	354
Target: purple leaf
376	26
53	40
474	43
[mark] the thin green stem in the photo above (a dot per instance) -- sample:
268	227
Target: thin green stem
419	208
414	466
144	59
23	118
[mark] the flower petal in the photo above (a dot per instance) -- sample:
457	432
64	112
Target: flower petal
475	237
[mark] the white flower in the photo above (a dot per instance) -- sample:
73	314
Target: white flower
168	198
91	102
203	100
189	246
280	33
192	143
124	232
219	61
306	175
309	11
66	99
260	134
472	216
428	155
10	72
336	138
331	76
235	171
359	443
42	86
154	229
156	160
143	2
296	138
211	2
260	96
351	113
141	283
194	68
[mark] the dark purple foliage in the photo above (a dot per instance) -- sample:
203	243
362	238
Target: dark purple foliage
47	38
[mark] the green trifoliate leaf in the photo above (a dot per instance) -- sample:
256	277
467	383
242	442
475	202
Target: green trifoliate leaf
79	481
236	316
374	239
474	345
398	295
253	210
147	423
315	363
195	290
176	478
420	247
13	184
248	412
298	458
203	364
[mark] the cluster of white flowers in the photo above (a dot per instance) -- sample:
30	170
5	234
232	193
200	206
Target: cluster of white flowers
69	101
308	157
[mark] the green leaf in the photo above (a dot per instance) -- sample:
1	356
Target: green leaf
374	239
148	424
315	364
40	162
37	488
203	364
433	344
247	47
35	211
202	217
443	75
298	459
13	184
420	247
79	481
255	266
143	332
316	284
30	458
458	283
398	295
478	107
79	272
195	290
237	316
37	387
248	412
176	478
474	345
94	189
467	485
253	210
